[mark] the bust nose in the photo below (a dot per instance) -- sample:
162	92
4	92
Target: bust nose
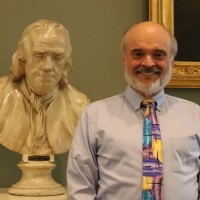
48	64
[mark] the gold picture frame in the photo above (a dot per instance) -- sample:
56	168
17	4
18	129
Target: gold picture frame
185	74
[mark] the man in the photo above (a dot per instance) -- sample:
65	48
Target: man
38	108
106	156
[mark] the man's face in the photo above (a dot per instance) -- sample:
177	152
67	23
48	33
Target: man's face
147	59
46	60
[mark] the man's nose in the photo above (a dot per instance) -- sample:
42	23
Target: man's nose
148	61
49	64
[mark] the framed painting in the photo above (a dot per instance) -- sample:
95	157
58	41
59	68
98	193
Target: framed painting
186	69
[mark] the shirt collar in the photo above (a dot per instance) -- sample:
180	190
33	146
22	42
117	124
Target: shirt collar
135	98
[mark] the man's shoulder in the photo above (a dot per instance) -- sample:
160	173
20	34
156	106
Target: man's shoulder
106	103
181	102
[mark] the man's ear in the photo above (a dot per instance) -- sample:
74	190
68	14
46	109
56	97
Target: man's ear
172	62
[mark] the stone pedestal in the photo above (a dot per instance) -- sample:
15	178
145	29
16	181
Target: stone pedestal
36	180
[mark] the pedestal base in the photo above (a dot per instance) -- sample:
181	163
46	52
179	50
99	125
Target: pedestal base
36	180
5	196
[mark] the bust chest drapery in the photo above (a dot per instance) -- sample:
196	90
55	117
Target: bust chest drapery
30	124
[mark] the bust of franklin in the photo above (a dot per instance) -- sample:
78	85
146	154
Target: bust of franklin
39	109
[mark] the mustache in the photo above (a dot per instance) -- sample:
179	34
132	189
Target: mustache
144	69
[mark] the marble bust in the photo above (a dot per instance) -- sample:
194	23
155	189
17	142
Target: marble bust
39	109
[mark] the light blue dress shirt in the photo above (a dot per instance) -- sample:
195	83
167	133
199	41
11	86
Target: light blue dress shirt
105	160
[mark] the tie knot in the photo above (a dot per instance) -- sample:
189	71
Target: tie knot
147	102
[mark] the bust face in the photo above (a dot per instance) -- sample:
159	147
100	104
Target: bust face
45	60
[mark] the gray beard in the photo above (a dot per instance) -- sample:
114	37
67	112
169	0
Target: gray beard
148	89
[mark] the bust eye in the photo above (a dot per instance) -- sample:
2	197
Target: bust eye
39	56
58	57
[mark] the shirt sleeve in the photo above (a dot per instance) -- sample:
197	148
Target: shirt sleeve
82	173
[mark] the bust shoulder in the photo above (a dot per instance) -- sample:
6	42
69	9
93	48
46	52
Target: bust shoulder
77	97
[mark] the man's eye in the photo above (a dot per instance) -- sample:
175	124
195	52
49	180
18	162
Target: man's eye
137	55
159	55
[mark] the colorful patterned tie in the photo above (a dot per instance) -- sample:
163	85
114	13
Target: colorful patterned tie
152	154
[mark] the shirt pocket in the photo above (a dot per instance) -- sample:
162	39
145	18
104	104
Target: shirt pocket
185	155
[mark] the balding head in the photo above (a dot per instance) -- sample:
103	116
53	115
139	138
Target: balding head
148	54
149	27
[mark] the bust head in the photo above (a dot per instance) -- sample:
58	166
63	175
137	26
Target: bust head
43	56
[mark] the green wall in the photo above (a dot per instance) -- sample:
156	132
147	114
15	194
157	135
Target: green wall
95	29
